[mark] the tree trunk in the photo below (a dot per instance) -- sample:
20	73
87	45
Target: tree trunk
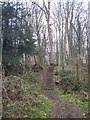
49	33
88	49
1	44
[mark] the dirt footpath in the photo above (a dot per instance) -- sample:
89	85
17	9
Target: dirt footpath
62	110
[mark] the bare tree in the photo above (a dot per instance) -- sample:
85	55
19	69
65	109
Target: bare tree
37	24
46	10
88	48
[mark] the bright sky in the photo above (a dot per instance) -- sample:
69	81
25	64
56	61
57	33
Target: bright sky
52	1
85	1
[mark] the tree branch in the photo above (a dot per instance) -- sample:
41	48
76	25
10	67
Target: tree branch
40	8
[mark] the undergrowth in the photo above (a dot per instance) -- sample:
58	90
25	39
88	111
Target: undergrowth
72	92
82	104
22	97
42	107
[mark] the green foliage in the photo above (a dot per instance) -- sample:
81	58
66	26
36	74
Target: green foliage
84	85
83	104
17	99
24	98
70	79
17	34
10	58
52	64
64	73
12	64
42	107
32	82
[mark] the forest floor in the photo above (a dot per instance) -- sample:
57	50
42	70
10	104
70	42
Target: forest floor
62	109
30	95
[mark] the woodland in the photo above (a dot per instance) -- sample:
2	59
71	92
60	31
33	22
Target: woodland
45	59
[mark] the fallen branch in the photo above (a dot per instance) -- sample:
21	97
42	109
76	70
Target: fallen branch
12	103
86	94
